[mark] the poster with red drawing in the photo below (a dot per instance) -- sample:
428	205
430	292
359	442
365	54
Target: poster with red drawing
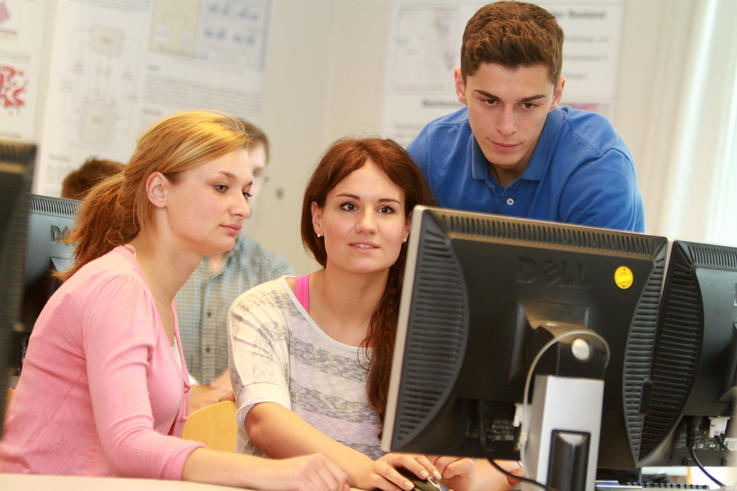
12	87
22	34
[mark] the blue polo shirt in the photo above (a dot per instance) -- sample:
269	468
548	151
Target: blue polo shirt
580	172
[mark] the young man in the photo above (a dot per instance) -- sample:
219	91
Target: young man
204	300
512	150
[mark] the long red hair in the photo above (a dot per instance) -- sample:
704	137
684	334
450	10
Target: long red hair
341	159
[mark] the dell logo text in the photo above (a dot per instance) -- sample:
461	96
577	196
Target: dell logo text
57	234
552	273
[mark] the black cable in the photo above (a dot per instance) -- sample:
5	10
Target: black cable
484	426
690	445
692	453
722	443
519	478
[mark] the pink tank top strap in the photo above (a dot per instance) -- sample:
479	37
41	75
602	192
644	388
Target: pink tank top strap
302	291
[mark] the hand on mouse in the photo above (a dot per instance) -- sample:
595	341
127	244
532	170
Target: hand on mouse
457	473
385	476
487	477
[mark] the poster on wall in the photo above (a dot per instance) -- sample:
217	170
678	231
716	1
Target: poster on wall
21	35
117	67
424	49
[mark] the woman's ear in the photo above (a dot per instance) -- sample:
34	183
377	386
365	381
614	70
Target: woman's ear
157	186
316	219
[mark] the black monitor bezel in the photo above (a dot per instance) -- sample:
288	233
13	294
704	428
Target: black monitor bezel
457	223
17	162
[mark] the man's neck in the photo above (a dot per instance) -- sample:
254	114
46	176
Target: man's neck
503	177
215	260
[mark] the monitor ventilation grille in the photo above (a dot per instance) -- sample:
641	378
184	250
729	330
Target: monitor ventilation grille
54	206
436	338
674	363
713	256
638	355
17	152
555	233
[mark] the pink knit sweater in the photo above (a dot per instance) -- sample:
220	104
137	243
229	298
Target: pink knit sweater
100	392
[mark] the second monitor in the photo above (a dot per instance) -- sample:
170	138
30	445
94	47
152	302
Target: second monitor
49	220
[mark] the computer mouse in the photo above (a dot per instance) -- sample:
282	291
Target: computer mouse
428	484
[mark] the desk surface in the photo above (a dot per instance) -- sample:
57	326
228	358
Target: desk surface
31	482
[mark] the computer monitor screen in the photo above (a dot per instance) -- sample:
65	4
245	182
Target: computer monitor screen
479	292
49	220
695	359
16	173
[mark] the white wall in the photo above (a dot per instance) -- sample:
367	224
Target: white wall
654	44
325	79
294	118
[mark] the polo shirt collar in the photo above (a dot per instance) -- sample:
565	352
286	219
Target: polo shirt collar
540	156
479	164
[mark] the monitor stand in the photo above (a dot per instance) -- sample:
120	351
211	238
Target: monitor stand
564	428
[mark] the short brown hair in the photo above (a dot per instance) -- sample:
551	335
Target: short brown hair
512	34
256	135
78	183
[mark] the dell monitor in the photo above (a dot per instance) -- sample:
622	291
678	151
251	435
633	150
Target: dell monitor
16	173
695	360
49	220
481	294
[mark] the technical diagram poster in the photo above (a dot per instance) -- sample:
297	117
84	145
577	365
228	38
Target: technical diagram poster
118	66
21	39
425	45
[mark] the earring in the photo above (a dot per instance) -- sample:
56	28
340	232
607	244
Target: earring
404	240
319	235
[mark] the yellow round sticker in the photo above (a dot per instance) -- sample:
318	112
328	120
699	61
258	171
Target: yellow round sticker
623	277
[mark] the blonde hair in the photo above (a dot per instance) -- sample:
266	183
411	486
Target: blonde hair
117	209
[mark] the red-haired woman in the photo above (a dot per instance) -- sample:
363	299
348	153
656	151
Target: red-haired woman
310	355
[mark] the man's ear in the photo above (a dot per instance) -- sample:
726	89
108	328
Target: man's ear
460	85
558	92
157	187
316	218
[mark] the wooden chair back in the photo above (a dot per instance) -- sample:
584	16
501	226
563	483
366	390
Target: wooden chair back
213	425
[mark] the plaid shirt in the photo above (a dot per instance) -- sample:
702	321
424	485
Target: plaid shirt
204	300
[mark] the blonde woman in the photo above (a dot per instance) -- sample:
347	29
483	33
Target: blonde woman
104	387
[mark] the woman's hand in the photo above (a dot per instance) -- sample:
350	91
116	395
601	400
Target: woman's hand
488	477
382	473
457	473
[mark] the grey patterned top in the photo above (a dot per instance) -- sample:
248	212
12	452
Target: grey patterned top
278	354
